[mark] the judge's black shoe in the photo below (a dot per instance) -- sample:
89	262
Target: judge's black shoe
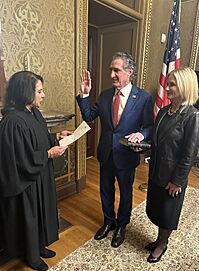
47	253
103	231
39	265
118	237
152	259
4	257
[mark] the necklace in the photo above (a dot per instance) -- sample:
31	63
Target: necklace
171	113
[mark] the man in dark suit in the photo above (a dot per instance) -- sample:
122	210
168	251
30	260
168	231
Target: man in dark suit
124	110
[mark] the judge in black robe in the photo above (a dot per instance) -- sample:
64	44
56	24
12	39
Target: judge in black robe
28	209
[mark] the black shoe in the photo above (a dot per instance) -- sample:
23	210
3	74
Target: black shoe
152	259
40	265
47	253
118	237
151	246
103	231
4	257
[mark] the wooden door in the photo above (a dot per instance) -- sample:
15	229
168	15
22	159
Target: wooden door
103	43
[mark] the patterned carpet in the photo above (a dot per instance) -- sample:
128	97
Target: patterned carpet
182	253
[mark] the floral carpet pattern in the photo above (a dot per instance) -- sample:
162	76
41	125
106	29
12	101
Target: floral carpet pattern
182	253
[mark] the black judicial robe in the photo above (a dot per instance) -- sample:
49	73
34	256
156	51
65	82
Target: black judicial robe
28	210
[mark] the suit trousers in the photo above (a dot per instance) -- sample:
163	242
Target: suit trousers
125	178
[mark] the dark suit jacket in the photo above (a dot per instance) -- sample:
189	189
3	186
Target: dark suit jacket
136	117
174	147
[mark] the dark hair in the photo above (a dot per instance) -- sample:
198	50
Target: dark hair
129	63
20	90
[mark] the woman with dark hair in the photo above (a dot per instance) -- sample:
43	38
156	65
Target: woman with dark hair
28	207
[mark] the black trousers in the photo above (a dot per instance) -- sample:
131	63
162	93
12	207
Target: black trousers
125	177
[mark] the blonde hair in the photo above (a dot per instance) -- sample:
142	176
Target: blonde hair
187	83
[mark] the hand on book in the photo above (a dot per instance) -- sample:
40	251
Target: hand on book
135	137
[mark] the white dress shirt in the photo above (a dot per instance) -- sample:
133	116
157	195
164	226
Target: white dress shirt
123	98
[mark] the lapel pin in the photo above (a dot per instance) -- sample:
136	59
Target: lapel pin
134	96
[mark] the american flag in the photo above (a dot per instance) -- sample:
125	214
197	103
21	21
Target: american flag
171	59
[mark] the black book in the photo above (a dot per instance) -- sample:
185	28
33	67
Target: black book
143	144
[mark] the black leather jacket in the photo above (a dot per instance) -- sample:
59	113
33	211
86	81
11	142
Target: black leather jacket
174	147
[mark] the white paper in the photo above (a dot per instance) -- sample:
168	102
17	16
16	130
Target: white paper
82	129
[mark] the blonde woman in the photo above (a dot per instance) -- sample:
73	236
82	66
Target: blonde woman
174	146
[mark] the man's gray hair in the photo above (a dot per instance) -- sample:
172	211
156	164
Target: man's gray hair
129	63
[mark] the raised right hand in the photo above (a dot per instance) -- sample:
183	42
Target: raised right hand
85	82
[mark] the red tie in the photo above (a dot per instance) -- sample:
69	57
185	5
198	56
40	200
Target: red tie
116	104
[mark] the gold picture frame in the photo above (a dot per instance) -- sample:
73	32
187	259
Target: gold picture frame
195	43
